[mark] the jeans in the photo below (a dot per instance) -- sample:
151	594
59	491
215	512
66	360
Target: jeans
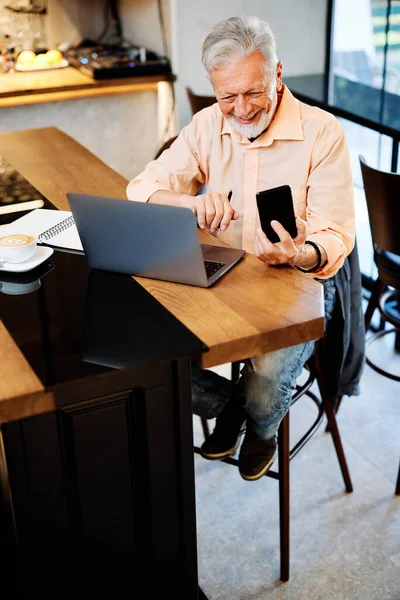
266	384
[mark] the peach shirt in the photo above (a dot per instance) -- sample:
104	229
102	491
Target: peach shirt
304	147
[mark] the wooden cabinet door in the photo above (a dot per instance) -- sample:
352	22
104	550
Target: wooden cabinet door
103	495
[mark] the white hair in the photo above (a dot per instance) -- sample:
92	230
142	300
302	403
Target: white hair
239	37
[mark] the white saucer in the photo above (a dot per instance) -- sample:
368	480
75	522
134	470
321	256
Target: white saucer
41	254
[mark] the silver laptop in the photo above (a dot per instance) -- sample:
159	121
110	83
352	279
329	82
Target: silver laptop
150	240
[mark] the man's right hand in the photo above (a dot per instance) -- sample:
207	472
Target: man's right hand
213	211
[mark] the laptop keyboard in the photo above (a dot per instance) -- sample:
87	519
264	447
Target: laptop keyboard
212	267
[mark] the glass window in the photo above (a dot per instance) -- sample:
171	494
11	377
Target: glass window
391	45
365	69
365	80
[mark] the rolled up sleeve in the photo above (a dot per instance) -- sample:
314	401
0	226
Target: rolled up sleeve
330	199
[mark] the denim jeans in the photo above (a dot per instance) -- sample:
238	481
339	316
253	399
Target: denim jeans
266	384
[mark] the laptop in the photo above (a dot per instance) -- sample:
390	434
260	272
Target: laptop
149	240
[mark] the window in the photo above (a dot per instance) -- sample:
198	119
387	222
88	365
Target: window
365	67
364	79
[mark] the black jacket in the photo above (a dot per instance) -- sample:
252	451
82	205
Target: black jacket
342	356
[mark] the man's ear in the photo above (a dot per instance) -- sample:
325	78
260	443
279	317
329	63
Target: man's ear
279	76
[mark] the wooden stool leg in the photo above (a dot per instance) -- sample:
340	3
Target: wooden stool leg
338	402
397	491
235	371
206	430
332	423
284	496
377	290
330	413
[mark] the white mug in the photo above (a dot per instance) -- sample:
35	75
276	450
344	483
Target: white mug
17	247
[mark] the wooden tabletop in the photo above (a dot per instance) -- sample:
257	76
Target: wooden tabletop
65	84
253	309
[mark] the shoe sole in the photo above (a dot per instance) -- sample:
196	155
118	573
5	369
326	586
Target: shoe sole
221	455
261	473
225	454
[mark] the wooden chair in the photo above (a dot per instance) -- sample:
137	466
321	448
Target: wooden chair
287	453
165	146
198	102
382	194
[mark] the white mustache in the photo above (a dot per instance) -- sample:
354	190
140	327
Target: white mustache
247	117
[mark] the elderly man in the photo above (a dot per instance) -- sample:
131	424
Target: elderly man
255	137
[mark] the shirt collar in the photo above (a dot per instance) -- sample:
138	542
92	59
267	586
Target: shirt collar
286	124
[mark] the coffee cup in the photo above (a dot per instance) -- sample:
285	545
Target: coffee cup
17	247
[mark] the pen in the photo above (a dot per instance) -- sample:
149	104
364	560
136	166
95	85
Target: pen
229	198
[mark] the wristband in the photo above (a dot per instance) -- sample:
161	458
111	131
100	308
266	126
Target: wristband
319	260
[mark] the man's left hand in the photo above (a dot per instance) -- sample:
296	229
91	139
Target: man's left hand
283	251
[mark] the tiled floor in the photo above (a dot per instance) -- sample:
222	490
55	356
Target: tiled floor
343	546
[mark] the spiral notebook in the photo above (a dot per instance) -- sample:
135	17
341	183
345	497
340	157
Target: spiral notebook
54	228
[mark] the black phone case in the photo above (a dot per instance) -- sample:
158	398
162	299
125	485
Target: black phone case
276	204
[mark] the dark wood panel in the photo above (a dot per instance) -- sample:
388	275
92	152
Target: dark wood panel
184	429
38	492
99	472
103	494
164	499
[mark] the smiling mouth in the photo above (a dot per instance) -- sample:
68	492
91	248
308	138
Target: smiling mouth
247	120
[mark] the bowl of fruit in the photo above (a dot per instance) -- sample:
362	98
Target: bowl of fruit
28	60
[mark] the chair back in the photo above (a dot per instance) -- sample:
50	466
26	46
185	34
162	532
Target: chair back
165	146
382	193
199	102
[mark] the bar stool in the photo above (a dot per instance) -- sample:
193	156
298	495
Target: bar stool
382	193
287	453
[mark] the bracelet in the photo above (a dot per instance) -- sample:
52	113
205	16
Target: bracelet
319	261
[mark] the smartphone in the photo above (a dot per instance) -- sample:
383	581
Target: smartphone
276	204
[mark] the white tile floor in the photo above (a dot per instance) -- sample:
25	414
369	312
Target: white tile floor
343	546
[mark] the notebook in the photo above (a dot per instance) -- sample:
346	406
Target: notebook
54	228
149	240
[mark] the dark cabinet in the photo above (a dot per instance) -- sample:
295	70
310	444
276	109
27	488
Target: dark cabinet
98	496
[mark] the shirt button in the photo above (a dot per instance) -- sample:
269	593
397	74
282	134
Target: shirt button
250	182
250	219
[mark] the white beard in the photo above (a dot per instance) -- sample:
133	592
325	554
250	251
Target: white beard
252	130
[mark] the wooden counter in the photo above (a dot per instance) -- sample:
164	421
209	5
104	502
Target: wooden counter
66	84
97	489
34	153
254	309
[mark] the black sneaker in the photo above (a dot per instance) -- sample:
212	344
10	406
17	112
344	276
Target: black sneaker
225	438
256	456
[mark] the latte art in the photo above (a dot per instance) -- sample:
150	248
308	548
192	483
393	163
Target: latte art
17	247
16	240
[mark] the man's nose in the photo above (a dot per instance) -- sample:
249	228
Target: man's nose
241	109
